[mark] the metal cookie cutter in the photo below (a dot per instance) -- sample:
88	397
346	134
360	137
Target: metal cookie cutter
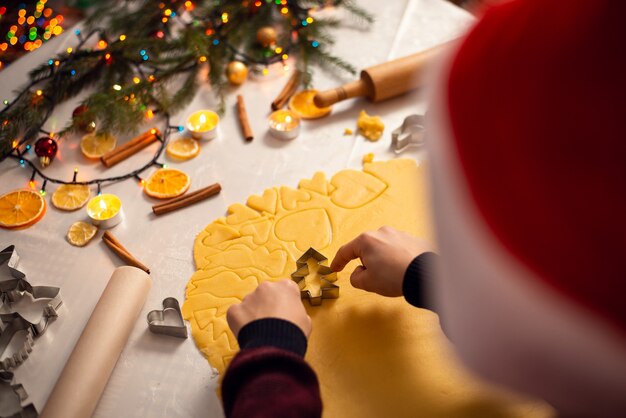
411	133
10	254
12	398
12	291
328	290
19	355
158	325
15	325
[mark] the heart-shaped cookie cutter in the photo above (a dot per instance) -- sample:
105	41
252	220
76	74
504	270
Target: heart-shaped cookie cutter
410	134
156	319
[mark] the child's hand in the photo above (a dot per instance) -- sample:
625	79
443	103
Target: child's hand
270	300
385	255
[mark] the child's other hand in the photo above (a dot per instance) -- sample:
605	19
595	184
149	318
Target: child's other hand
270	300
385	255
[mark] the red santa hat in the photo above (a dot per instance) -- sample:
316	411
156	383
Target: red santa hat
537	102
528	151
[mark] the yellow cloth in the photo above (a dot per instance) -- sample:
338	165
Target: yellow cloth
374	356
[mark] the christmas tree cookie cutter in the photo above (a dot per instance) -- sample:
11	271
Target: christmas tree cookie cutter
13	396
19	355
157	319
410	134
328	290
12	291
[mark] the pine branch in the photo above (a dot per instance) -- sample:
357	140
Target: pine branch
155	64
330	62
362	15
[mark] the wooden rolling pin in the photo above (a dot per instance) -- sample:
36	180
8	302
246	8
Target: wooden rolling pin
90	365
383	81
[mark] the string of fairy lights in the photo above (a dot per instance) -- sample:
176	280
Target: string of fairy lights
29	31
21	155
62	66
99	182
301	19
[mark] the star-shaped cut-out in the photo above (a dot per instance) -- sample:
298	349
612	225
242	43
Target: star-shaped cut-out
10	256
327	290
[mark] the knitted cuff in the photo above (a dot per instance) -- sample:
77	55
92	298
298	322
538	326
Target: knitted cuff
273	332
416	277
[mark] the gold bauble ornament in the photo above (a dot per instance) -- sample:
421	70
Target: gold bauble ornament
236	72
266	36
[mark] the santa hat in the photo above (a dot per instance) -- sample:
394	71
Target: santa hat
530	189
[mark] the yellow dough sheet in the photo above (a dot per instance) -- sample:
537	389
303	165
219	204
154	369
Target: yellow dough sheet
374	356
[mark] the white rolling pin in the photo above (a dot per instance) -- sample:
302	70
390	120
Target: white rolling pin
90	365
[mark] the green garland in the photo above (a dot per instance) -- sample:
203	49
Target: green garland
148	55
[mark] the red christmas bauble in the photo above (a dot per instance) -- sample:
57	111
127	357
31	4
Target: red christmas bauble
79	110
81	120
46	149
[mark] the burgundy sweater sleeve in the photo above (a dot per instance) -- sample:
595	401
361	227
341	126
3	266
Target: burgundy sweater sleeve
269	377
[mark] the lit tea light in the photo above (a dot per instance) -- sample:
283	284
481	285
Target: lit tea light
284	124
203	124
105	210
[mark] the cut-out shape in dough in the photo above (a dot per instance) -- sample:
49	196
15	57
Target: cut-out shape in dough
224	284
216	233
355	188
239	213
260	231
209	328
265	203
317	184
307	228
289	197
240	256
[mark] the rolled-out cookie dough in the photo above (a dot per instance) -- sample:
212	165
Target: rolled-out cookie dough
374	356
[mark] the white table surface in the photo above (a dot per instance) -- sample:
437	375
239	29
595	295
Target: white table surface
160	376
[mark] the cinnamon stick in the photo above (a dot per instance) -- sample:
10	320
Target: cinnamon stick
243	119
288	90
130	148
186	200
122	252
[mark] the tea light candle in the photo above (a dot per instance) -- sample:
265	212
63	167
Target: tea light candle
105	210
203	124
284	124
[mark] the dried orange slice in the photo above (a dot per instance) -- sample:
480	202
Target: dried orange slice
70	196
96	145
167	182
80	233
183	148
21	208
302	104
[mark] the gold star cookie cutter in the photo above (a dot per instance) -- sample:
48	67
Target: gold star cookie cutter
328	290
